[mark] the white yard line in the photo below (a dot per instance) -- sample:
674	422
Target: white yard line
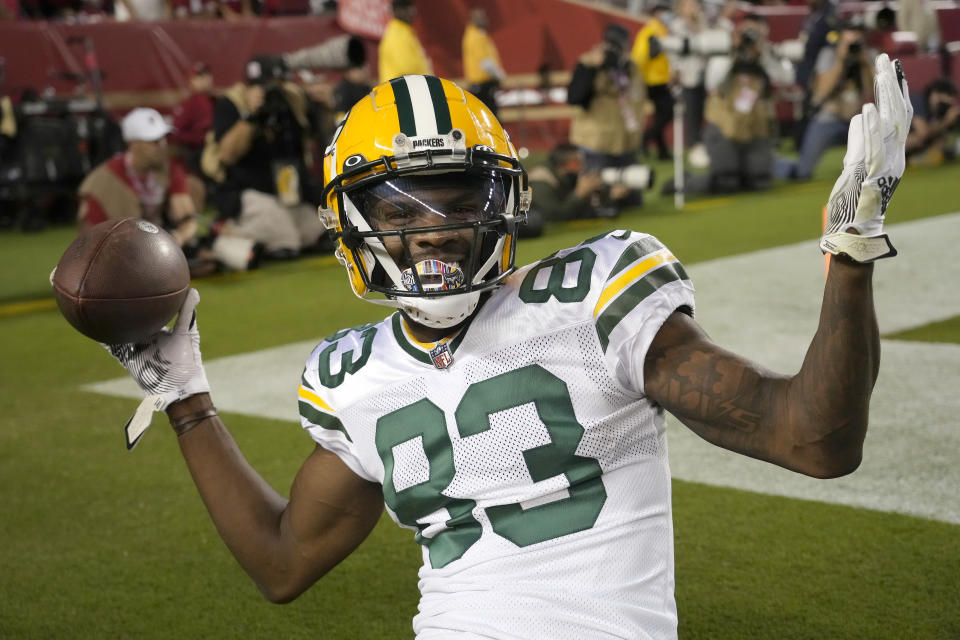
765	306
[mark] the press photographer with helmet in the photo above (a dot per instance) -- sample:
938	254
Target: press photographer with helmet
258	153
842	83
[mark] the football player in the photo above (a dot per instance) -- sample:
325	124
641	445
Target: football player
513	418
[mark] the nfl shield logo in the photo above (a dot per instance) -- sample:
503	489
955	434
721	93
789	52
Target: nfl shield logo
441	357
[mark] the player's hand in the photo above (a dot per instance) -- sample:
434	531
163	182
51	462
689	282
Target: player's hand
168	365
872	169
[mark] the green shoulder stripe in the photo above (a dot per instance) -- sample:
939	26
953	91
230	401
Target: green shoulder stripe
322	419
634	295
634	252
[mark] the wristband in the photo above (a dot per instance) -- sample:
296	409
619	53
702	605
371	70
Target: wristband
185	423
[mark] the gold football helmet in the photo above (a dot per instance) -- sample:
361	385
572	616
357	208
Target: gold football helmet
424	193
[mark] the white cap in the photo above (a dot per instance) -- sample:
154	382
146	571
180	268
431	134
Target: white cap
144	124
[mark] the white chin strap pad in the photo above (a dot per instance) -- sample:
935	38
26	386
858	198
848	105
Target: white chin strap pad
440	312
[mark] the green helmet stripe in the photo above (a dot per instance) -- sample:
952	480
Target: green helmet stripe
401	95
440	107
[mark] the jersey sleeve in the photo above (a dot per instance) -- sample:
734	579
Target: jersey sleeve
642	284
319	418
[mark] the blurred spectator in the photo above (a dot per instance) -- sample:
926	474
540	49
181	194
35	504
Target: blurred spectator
192	120
821	21
886	19
842	84
653	63
144	182
481	61
936	119
739	136
258	149
142	10
689	69
920	17
353	86
400	50
609	90
563	190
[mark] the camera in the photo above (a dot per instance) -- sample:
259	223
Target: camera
748	38
635	176
855	47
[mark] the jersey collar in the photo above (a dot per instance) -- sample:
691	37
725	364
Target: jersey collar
421	350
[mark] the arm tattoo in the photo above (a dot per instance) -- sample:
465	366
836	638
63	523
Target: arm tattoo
722	398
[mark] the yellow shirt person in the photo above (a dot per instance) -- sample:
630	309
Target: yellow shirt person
655	69
401	53
481	62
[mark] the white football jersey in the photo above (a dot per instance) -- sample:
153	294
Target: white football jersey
523	451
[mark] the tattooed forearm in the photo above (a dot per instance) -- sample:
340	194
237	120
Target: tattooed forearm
723	398
813	422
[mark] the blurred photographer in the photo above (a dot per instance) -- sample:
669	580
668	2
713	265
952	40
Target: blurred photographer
258	151
936	119
564	190
842	83
739	135
608	88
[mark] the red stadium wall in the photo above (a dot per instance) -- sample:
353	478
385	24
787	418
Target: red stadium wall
147	63
143	60
156	56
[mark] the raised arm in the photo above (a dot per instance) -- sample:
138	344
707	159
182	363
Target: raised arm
815	421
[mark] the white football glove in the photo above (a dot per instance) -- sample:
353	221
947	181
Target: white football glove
167	367
872	169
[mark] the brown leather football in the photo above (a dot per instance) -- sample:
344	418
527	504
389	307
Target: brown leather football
121	281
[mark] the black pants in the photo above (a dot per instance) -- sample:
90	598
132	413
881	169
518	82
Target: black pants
659	94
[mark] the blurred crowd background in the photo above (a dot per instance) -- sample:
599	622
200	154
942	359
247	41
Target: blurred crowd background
210	117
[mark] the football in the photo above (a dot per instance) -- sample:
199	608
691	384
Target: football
121	281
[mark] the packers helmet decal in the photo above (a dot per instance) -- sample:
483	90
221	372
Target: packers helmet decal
424	192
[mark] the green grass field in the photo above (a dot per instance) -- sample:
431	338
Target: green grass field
101	543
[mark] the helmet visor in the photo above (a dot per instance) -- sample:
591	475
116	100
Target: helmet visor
406	203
